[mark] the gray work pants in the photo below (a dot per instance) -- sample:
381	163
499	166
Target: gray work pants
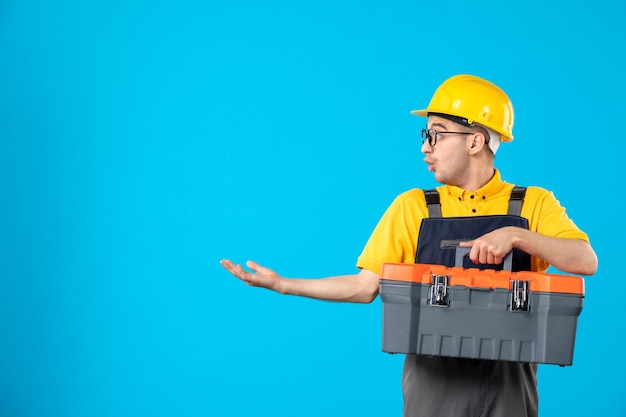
451	387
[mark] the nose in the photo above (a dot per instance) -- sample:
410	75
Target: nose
426	147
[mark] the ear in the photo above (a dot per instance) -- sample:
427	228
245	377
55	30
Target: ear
476	142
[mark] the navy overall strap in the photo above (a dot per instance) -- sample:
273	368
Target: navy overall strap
516	200
432	203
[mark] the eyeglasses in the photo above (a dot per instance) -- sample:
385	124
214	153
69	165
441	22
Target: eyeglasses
432	135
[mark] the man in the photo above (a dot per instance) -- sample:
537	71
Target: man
468	117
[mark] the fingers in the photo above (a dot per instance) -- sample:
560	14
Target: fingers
490	248
259	277
487	256
482	252
238	271
254	266
230	266
251	278
235	269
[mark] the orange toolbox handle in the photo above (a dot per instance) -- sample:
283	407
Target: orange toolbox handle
486	279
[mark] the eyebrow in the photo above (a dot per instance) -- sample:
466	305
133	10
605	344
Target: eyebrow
437	124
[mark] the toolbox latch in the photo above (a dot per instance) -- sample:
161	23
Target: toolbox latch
519	295
439	291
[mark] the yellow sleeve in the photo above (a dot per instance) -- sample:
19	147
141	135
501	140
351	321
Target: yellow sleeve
394	240
546	216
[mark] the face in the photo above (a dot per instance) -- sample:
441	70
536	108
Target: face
448	159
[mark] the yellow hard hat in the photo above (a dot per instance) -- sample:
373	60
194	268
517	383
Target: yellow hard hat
473	100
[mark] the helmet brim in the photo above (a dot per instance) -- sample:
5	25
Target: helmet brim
423	113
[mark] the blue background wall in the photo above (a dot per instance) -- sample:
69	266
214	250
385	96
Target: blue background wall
141	142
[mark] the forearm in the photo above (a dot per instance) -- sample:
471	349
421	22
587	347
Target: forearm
357	288
568	255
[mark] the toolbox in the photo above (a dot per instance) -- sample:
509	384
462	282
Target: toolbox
480	314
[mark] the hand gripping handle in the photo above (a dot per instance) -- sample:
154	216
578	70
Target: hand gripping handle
461	252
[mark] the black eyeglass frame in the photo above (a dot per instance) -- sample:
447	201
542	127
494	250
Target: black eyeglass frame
432	138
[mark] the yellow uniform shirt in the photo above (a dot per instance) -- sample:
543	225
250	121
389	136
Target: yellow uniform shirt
395	237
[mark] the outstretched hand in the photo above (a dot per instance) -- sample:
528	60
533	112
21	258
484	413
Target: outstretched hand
261	277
